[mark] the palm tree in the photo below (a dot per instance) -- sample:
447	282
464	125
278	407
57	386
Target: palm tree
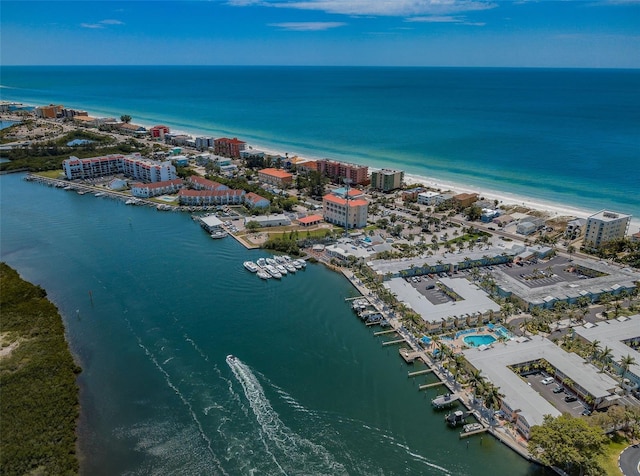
594	348
625	363
476	379
492	397
605	357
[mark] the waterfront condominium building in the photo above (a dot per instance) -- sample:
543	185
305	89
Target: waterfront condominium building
338	171
133	166
349	213
386	180
605	226
228	147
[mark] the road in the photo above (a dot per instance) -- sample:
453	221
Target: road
629	461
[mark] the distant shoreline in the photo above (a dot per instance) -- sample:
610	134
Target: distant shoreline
554	209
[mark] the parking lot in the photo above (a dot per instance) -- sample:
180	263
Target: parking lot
428	288
536	274
556	399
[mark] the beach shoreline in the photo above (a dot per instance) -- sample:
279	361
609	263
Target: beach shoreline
505	198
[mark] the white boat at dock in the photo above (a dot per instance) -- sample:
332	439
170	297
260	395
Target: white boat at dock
218	234
251	266
100	194
131	201
289	267
273	271
261	262
443	401
271	261
262	274
469	427
299	263
281	269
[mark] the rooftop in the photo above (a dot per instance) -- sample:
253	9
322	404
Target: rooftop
474	299
275	173
606	215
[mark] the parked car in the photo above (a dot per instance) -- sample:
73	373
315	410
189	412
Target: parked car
547	381
558	389
570	398
586	412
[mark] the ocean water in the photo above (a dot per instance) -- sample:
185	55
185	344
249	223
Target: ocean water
570	136
153	306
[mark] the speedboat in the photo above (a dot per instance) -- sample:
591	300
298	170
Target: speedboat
281	269
301	262
251	266
289	267
231	358
271	261
297	264
261	262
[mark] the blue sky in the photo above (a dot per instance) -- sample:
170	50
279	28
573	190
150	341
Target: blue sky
520	33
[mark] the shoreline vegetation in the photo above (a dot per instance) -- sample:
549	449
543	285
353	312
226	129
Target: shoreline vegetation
39	407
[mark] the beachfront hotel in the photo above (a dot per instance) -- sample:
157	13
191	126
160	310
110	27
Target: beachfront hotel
338	171
228	147
387	180
132	166
605	226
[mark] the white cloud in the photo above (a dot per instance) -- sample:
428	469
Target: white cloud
112	22
101	24
444	19
376	7
308	26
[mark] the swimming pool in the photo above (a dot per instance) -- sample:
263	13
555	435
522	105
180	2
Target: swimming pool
478	340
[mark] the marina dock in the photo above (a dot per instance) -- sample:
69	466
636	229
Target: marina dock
430	385
419	372
392	342
381	333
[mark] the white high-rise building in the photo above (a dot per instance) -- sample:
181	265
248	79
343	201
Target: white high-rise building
605	226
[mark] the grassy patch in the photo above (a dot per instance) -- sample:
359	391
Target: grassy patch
609	460
55	174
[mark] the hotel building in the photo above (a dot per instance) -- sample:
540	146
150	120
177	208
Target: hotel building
338	171
387	179
349	213
605	226
228	147
146	190
211	197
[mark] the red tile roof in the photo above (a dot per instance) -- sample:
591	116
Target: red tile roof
281	174
310	219
341	201
254	197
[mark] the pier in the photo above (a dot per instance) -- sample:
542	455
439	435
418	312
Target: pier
392	342
474	432
430	385
381	333
419	372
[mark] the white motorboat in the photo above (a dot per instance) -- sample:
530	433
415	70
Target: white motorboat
251	266
273	271
271	261
289	267
261	262
281	269
262	274
301	262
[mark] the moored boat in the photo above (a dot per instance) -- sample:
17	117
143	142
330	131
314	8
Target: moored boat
271	261
289	267
273	271
251	266
261	262
218	234
262	274
281	269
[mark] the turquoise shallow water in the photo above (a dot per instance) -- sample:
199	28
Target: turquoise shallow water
312	391
571	136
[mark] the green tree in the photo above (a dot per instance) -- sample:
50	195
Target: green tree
568	443
625	363
252	225
126	118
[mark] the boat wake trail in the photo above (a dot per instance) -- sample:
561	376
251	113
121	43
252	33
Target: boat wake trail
292	453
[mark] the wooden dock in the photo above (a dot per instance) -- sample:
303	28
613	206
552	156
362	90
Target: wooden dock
408	355
419	372
388	331
430	385
392	342
475	432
